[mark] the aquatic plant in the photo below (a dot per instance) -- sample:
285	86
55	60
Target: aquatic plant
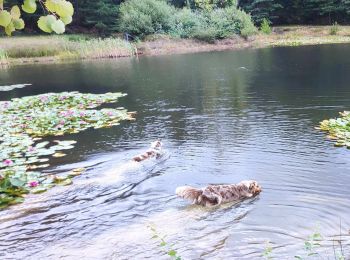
168	249
312	249
12	87
338	129
25	121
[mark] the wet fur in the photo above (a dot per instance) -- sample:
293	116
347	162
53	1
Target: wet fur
214	195
154	151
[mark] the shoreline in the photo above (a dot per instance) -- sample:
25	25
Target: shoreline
164	45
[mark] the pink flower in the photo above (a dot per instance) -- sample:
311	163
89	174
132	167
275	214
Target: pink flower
109	113
82	122
31	149
44	99
62	122
82	114
8	162
33	184
62	98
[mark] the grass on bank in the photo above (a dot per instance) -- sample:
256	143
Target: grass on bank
56	48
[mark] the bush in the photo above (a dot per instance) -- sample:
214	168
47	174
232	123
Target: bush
229	21
187	23
246	25
141	18
265	26
334	29
205	34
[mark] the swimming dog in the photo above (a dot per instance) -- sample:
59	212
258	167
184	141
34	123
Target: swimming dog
154	151
214	195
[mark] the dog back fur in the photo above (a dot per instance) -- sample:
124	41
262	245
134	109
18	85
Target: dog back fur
217	194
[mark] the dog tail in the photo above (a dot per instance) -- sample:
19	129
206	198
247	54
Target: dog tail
188	192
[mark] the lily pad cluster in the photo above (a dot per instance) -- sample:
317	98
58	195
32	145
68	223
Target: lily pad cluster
338	129
24	122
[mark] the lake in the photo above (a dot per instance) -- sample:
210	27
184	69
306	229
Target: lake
223	117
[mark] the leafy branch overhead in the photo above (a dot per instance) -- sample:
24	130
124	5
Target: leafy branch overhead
60	13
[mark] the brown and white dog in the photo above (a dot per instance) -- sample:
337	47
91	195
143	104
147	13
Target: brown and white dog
154	151
214	195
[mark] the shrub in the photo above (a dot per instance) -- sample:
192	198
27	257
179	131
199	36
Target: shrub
224	22
141	18
187	23
205	34
229	21
334	29
246	25
265	26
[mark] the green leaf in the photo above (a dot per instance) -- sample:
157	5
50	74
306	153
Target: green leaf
67	19
9	29
18	24
64	9
58	27
172	253
45	22
5	18
15	12
50	5
41	145
29	6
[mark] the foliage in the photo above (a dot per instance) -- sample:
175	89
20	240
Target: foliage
166	247
209	5
153	16
206	35
338	129
187	23
3	57
65	47
25	121
265	26
262	9
100	15
334	29
60	14
141	18
311	248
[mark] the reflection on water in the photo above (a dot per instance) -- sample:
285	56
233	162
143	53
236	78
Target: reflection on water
221	124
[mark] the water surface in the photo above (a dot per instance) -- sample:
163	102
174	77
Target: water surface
223	117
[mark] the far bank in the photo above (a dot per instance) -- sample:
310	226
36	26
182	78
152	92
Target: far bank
55	49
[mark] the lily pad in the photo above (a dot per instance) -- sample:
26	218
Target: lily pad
26	121
338	129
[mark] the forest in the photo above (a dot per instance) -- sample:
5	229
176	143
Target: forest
193	18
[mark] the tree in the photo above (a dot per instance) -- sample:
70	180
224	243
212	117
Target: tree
101	15
260	9
60	14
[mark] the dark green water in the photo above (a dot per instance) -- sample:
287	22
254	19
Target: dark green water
223	117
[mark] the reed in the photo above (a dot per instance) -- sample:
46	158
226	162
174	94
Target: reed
64	47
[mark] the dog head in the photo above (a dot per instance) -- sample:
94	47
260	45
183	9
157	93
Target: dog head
252	187
156	145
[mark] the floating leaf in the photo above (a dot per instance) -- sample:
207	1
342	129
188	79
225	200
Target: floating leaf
25	121
58	155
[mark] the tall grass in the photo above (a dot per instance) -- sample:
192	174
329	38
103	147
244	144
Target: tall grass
63	47
3	57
